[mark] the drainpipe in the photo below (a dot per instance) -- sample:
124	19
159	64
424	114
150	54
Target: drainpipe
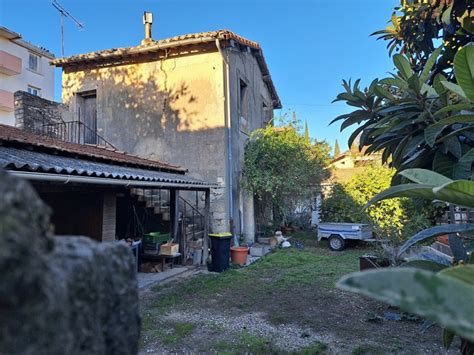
230	174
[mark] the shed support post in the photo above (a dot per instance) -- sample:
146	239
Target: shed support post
174	214
205	239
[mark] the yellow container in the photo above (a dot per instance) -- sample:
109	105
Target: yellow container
169	249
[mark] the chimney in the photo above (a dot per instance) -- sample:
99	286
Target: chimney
147	21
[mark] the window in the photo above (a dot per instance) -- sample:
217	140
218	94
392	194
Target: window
244	102
243	107
33	62
266	114
34	90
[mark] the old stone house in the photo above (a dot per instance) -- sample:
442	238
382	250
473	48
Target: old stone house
191	99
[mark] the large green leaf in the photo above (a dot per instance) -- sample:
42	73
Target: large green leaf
463	273
454	88
405	190
455	107
397	82
458	192
424	265
429	64
443	164
442	298
432	132
464	70
463	168
435	232
403	66
425	176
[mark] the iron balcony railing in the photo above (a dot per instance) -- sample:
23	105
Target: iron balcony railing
75	132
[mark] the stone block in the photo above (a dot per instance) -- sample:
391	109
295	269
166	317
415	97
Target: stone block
67	295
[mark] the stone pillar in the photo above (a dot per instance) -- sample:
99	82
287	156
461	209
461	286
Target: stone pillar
109	217
249	216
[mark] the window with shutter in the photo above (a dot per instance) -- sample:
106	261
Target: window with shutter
33	62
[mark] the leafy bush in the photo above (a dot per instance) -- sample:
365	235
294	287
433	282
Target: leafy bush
396	218
427	286
280	163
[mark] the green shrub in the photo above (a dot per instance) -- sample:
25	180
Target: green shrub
396	218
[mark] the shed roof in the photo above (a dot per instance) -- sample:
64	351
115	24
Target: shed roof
45	164
17	136
117	54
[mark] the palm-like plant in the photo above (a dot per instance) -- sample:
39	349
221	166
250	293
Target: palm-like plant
413	123
415	25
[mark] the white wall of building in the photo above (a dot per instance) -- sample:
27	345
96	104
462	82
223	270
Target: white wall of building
43	79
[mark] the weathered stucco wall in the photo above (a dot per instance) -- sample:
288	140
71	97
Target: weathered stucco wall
244	69
171	110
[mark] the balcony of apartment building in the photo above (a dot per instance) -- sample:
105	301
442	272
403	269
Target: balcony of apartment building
9	65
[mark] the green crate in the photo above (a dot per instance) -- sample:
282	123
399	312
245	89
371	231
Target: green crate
156	237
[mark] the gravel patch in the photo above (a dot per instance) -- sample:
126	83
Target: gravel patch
287	337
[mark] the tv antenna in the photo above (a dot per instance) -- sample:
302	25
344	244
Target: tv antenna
64	13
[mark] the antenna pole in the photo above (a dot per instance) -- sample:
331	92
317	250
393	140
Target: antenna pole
62	34
64	13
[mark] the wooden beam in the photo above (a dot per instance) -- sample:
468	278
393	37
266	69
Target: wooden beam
205	240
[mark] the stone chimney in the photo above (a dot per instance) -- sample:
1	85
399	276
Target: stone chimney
147	21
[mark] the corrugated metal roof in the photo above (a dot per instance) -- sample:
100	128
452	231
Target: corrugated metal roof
27	160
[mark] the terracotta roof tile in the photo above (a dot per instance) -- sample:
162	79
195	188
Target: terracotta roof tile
118	54
18	136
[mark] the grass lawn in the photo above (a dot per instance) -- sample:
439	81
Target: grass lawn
285	303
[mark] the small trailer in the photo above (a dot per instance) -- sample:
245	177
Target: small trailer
339	234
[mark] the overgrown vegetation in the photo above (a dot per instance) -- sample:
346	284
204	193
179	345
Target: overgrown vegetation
416	25
420	118
283	168
395	219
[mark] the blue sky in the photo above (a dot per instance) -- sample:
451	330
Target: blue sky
310	46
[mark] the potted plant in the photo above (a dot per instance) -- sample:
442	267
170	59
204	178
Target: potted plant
239	253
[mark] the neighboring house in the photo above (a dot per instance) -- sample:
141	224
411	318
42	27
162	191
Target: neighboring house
102	193
191	99
25	67
351	162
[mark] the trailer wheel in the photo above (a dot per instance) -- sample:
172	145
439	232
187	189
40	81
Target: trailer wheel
336	243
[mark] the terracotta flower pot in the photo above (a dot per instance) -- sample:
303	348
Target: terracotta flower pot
238	255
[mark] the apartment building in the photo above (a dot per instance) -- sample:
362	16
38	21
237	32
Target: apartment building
25	67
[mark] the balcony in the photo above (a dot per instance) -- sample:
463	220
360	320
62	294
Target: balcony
7	102
75	132
9	64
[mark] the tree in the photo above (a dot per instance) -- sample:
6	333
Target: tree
417	24
415	124
280	164
337	150
306	132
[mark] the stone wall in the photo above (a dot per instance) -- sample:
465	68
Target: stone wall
67	295
33	112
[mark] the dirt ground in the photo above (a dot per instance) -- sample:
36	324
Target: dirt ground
285	303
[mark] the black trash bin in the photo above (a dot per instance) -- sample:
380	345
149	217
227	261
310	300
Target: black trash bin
220	251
